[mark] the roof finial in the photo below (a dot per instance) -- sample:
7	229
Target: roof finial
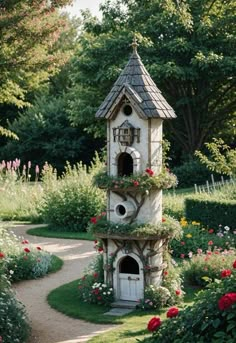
134	44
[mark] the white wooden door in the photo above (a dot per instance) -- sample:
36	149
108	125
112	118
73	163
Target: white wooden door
130	286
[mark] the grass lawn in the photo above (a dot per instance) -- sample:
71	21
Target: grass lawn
48	232
132	326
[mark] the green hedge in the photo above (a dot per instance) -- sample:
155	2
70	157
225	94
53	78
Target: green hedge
211	212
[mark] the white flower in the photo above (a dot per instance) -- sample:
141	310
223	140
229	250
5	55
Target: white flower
100	288
220	234
108	293
111	289
103	285
226	228
11	272
104	293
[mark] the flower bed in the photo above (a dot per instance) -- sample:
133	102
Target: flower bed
19	260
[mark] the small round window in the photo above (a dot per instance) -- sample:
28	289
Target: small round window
127	109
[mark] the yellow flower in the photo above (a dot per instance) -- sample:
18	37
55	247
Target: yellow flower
195	223
189	235
183	222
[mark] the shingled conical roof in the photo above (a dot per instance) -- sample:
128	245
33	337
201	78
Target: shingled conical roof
137	85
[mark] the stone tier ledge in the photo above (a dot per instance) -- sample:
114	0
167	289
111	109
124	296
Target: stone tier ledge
130	237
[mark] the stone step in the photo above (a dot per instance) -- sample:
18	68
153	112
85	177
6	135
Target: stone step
125	304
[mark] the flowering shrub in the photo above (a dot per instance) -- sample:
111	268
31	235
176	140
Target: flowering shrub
206	267
155	297
21	260
14	324
70	205
196	237
212	318
141	182
94	292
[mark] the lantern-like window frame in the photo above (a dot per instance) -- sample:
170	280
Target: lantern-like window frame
125	133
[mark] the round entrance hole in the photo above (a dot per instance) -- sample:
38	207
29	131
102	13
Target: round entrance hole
127	109
121	210
124	209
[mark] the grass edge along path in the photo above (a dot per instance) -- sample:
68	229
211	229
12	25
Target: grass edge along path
46	231
65	299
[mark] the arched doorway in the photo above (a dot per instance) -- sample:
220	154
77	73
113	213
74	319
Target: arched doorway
130	279
125	164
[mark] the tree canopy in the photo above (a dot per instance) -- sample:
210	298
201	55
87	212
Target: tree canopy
29	50
188	48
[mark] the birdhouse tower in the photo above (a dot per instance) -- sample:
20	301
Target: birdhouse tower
134	110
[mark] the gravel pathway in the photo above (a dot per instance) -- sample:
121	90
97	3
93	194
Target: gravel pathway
48	325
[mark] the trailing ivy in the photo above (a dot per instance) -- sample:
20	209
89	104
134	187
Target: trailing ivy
168	227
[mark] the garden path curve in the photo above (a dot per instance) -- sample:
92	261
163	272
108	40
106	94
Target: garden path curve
48	325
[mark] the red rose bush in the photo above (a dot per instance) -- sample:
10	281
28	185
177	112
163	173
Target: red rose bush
212	318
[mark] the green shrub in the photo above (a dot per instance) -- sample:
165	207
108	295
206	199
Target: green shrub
212	318
73	201
196	236
211	211
192	172
14	324
173	205
204	268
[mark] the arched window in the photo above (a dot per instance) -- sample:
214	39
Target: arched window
129	265
125	164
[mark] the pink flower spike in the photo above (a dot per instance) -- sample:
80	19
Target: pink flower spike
29	164
37	169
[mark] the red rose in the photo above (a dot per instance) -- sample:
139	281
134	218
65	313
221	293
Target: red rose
136	183
27	250
25	241
100	249
226	301
95	275
149	171
182	255
165	272
177	292
38	248
226	273
210	243
93	220
163	220
182	243
154	324
2	255
234	264
211	230
172	312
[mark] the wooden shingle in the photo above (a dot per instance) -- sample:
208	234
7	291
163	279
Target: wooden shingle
137	83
